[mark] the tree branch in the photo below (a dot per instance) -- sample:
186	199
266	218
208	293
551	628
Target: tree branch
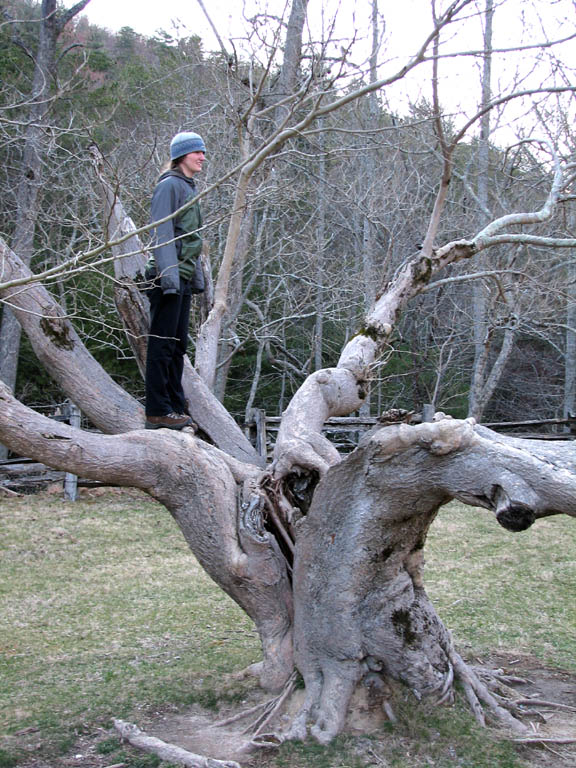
168	752
67	15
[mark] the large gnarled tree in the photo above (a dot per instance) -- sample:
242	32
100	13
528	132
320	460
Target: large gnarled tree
323	553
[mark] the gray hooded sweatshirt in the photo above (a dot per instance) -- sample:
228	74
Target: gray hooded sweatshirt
177	242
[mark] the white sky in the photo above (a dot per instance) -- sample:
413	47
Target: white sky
147	17
185	17
407	23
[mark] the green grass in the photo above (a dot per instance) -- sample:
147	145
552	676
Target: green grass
443	738
105	613
501	591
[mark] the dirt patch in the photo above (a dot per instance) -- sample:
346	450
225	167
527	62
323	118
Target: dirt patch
544	685
197	731
198	734
201	734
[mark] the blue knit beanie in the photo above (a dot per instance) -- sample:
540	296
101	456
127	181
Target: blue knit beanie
186	142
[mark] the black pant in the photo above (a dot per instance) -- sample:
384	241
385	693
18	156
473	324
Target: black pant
167	342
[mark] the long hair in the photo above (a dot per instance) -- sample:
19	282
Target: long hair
171	165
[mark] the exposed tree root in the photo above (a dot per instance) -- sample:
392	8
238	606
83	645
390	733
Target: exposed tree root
361	609
257	728
244	714
252	670
9	491
495	678
256	738
388	711
478	695
543	703
169	752
267	710
544	740
447	692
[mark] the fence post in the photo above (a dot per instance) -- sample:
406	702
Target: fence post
428	412
70	480
258	417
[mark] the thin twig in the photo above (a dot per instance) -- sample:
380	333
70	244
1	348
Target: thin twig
377	757
9	491
288	688
545	740
243	714
544	703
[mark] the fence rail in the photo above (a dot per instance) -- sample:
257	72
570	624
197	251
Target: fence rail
345	431
22	475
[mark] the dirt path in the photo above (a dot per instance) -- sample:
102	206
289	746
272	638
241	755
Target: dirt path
546	685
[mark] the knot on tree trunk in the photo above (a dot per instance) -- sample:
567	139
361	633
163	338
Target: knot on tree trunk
58	330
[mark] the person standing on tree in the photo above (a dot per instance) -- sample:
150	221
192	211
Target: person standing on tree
173	274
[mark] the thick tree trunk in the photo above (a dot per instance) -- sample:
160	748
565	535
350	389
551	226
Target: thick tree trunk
288	81
361	610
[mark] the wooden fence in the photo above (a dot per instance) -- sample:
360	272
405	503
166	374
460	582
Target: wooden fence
21	475
346	431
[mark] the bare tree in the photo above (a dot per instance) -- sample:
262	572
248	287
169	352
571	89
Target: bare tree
366	517
481	341
51	25
34	150
570	354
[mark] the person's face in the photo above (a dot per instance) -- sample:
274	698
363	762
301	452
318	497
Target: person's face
192	163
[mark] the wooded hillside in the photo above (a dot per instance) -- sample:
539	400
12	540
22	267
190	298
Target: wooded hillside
328	220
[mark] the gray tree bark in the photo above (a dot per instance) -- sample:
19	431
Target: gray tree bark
235	516
361	609
288	81
58	346
214	499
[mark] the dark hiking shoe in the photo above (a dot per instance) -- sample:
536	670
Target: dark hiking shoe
170	421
